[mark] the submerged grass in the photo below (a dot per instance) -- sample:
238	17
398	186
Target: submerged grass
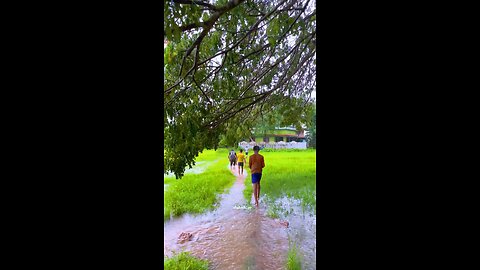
203	160
273	211
290	173
293	259
184	260
196	193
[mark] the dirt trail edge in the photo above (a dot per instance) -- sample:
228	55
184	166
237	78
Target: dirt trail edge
231	238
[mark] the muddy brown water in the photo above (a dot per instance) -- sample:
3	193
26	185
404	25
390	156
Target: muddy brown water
243	238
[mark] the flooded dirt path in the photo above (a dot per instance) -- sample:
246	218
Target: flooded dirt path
231	238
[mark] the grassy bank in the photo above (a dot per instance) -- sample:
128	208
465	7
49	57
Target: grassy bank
196	193
290	173
183	261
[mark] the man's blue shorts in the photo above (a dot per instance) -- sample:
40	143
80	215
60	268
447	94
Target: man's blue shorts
256	178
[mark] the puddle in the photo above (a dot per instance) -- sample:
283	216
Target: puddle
199	167
302	229
238	236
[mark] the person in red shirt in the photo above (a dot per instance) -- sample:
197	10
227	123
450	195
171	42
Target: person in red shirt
256	163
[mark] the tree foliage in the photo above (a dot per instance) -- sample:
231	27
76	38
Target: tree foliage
227	64
312	129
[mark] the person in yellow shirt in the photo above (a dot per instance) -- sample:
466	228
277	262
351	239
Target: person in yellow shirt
256	164
241	161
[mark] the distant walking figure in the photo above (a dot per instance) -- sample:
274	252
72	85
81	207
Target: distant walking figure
232	156
241	160
256	164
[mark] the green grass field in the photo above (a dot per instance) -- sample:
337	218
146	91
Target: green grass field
196	193
290	173
286	173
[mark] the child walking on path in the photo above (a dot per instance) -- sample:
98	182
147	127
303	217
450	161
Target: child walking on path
232	156
241	161
256	163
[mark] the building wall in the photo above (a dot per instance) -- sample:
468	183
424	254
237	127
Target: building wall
271	138
278	132
260	138
298	145
284	132
272	134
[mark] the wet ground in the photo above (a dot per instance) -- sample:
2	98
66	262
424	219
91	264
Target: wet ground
245	238
199	167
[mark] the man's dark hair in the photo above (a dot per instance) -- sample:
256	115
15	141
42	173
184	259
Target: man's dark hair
256	148
241	150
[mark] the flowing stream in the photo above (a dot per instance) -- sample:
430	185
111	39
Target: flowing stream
232	237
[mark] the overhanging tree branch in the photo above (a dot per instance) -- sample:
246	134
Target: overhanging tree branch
196	2
207	25
239	73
